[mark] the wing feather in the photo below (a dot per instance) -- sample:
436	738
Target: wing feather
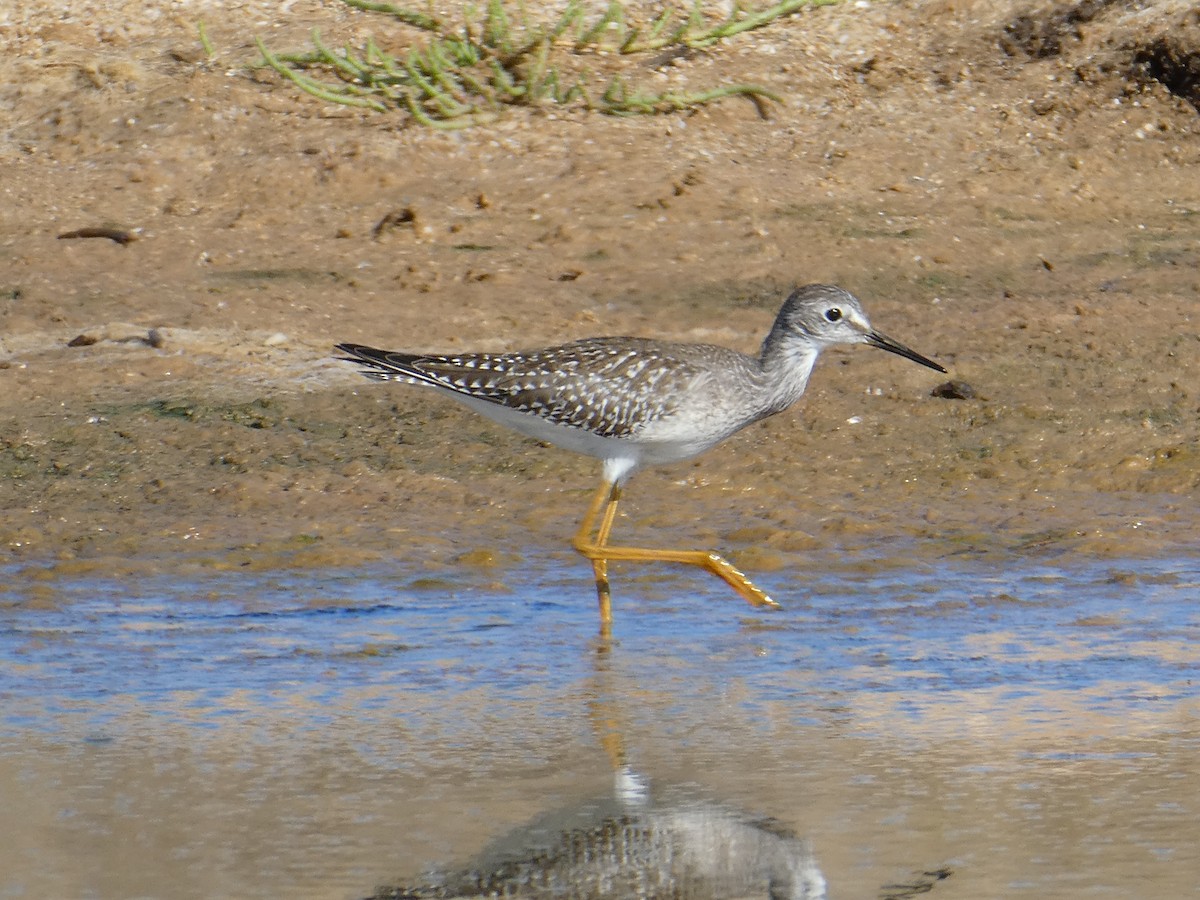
609	386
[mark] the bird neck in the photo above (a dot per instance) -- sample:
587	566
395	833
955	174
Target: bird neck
787	359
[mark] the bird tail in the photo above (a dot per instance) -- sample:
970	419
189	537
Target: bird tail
382	365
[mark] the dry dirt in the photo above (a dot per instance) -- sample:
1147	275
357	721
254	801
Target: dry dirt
1011	188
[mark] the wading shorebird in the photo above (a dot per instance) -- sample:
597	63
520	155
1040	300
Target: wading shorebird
633	402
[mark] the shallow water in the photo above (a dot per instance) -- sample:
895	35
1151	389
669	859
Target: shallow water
1033	730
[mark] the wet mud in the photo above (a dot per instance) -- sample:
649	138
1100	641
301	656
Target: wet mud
1019	209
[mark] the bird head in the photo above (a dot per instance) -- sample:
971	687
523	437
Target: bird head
825	314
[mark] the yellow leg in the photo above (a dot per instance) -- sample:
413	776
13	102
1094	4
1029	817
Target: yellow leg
582	542
610	514
600	565
600	553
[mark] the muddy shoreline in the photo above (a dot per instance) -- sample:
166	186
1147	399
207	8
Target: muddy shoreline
1023	215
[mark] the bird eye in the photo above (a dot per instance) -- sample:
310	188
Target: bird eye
833	314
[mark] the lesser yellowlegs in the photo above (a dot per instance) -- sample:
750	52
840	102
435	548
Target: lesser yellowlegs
634	402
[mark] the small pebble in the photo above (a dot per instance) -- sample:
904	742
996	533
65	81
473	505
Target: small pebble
953	390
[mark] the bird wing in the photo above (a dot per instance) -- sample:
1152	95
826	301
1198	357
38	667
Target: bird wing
609	386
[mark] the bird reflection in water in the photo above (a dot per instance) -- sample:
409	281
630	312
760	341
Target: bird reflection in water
637	843
632	845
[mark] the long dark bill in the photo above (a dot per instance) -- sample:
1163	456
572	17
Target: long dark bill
883	342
